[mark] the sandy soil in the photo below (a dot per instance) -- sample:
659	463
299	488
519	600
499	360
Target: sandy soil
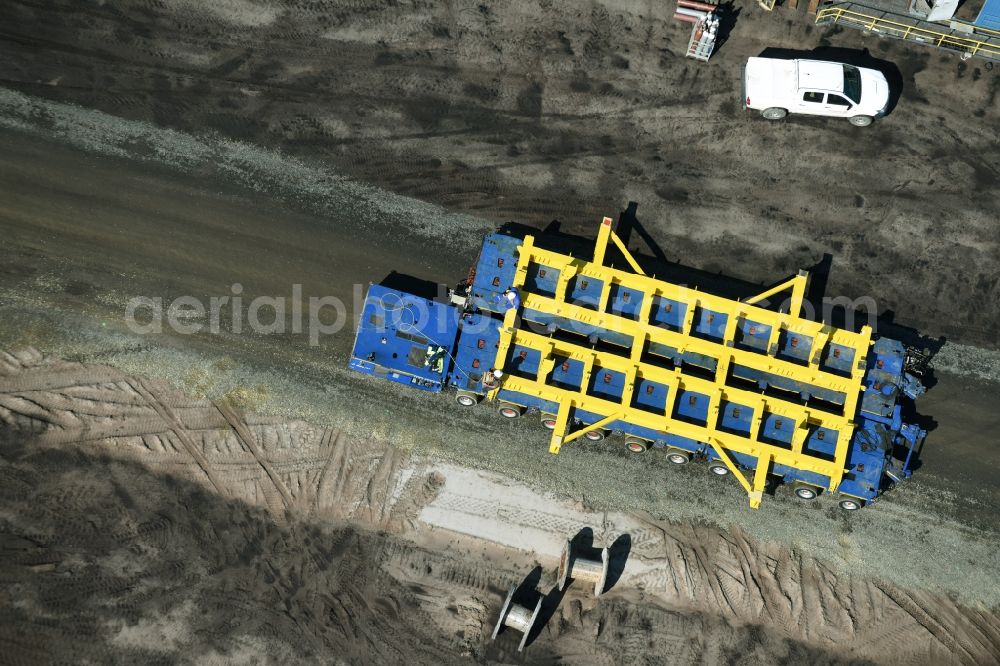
166	528
568	110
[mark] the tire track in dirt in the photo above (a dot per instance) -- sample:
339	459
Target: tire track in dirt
724	578
179	431
248	440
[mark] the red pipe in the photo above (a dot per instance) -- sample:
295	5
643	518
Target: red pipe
686	18
696	5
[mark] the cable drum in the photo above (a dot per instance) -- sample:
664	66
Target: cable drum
517	617
573	566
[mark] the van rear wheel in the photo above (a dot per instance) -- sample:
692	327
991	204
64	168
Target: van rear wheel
861	121
774	113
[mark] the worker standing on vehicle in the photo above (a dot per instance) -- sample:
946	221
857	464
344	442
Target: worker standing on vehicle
492	379
509	299
434	358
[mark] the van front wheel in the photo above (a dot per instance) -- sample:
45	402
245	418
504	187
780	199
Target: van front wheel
861	121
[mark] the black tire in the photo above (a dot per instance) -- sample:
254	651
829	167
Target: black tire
678	457
861	121
849	504
548	421
636	446
467	399
509	411
594	435
774	113
806	493
718	469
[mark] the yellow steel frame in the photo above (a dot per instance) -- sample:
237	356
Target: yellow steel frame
642	331
939	38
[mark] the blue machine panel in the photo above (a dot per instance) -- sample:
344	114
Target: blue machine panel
755	335
704	361
405	338
777	430
523	361
650	396
805	390
669	313
822	443
794	346
692	407
884	377
567	373
543	323
476	350
585	291
625	301
607	384
710	324
839	359
541	279
494	271
736	418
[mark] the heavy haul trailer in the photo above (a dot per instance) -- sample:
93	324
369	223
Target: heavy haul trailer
596	350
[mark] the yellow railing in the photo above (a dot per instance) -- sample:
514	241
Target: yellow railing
969	45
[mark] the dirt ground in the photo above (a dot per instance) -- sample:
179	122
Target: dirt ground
330	144
162	528
568	110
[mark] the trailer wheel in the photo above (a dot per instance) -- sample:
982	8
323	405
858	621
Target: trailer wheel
861	121
509	411
549	421
805	492
848	504
636	445
594	435
466	399
719	469
678	457
774	113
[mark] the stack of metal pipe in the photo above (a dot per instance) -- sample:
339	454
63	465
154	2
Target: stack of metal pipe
689	11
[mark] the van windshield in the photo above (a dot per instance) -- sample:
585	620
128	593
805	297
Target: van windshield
852	83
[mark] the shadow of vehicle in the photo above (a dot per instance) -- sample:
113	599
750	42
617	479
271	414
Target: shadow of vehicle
856	57
414	285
